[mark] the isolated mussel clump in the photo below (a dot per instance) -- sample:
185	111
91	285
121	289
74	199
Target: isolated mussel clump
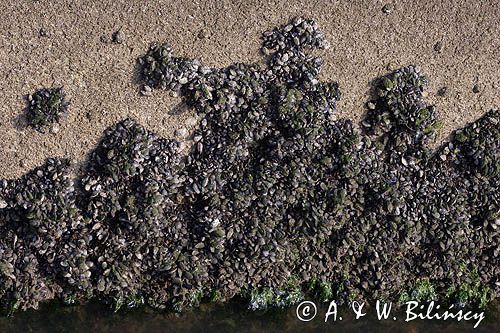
276	198
45	107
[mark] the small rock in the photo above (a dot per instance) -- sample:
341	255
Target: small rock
55	128
147	91
476	88
443	91
202	34
370	105
3	204
387	8
438	47
23	164
119	37
43	33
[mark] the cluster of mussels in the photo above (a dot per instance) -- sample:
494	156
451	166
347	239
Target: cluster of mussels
276	197
46	106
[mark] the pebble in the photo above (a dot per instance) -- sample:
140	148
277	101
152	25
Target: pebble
443	91
55	128
146	91
202	34
438	47
387	8
43	33
119	37
476	89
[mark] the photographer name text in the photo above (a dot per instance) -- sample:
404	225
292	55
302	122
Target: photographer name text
412	310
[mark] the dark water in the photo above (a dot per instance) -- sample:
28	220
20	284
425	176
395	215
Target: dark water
216	318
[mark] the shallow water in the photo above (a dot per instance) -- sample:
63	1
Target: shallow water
95	317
